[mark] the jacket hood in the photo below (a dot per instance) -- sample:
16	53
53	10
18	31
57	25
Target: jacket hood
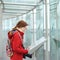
10	34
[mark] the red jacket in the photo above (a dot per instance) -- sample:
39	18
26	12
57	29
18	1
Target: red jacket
16	44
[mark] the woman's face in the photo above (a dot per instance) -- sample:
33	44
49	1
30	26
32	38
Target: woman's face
24	28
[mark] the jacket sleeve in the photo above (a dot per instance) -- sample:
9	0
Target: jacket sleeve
17	45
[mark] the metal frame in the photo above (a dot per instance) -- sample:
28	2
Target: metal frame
10	10
8	3
46	27
17	9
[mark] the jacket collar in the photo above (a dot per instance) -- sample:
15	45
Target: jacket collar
22	33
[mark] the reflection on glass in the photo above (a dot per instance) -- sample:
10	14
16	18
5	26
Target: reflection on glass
39	21
55	31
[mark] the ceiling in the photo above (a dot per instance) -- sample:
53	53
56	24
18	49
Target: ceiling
13	8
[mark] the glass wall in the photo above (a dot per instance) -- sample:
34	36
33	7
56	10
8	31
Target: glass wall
29	32
39	29
55	29
39	20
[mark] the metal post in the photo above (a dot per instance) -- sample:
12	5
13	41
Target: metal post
34	56
47	29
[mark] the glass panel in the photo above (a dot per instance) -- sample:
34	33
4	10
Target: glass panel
53	35
29	34
58	33
53	1
40	53
55	32
39	30
39	21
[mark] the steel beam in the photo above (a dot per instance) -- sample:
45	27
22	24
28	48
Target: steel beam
9	3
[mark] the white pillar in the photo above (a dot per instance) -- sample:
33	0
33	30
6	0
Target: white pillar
34	34
47	29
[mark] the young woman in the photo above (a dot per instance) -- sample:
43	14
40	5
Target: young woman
17	40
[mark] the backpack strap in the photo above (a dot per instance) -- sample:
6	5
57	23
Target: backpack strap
10	40
20	36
